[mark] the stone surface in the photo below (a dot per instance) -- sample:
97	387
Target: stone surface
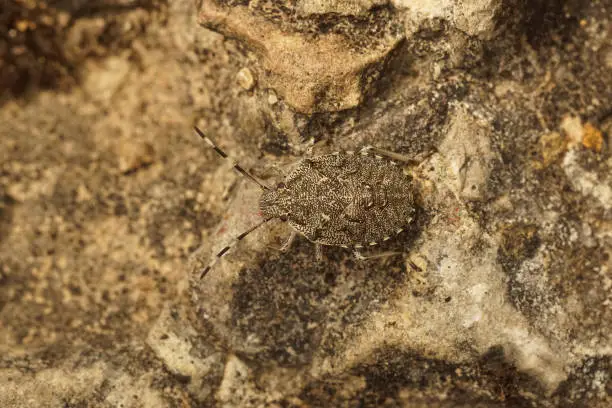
346	7
327	72
467	147
110	204
172	341
473	17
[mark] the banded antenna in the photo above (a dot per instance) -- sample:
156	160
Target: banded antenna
236	166
229	246
249	176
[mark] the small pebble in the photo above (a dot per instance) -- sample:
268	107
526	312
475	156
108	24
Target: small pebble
245	79
272	98
572	127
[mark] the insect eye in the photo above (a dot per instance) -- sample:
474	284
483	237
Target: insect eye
283	218
280	185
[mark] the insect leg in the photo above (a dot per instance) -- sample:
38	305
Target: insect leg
411	161
360	257
285	247
319	252
229	246
236	166
310	151
389	155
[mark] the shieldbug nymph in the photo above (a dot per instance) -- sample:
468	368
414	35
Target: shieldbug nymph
347	199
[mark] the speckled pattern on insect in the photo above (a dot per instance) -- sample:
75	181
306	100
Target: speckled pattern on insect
348	199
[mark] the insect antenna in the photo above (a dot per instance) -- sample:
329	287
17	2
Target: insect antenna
236	166
229	246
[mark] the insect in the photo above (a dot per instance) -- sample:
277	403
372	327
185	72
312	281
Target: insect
348	199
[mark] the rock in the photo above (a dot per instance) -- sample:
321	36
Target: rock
83	36
475	17
494	296
344	7
272	98
82	193
132	156
51	387
327	72
467	147
578	134
129	392
104	78
237	386
245	79
171	340
588	182
552	146
592	138
573	130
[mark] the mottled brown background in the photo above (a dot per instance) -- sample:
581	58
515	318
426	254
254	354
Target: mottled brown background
106	194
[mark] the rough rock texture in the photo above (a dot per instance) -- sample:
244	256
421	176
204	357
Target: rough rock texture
110	205
476	18
312	70
42	42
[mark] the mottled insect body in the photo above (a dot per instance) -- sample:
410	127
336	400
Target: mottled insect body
352	200
343	199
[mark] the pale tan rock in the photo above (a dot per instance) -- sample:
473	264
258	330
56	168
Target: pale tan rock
132	156
572	128
344	7
49	387
467	148
105	78
311	73
272	98
245	79
475	18
170	340
83	194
